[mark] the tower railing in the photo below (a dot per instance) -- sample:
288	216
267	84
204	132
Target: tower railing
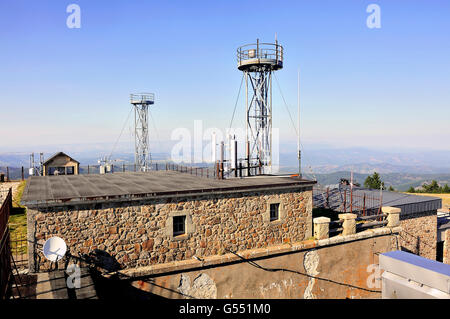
270	51
142	98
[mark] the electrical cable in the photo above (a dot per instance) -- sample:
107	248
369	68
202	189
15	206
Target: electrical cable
237	99
115	144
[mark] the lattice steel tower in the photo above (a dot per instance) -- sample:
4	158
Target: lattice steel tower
258	61
141	101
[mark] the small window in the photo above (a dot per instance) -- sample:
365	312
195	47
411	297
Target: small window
69	170
274	211
179	225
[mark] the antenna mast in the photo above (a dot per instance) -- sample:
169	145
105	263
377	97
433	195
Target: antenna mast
299	155
258	61
141	102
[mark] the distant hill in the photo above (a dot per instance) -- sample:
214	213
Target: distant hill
400	181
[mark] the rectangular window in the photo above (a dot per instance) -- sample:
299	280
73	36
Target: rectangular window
179	227
57	171
69	170
274	211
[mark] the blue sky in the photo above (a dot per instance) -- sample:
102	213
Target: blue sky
380	88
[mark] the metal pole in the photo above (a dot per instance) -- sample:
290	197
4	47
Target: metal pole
7	173
235	159
328	197
298	124
248	158
22	174
345	200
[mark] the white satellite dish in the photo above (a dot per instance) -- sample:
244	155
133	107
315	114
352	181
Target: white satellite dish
54	248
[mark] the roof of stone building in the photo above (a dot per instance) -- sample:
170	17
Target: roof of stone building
68	189
50	159
409	204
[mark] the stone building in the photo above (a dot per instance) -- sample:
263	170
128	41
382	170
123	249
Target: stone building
141	219
61	164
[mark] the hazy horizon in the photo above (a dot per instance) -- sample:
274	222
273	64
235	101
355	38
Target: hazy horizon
360	87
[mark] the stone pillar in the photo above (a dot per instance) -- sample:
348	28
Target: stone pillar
321	227
349	224
446	259
393	217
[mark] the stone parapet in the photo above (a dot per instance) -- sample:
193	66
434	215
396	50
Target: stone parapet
321	227
349	223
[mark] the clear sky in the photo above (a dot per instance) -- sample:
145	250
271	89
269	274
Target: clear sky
385	88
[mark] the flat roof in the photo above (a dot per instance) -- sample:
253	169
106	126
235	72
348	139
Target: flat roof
408	203
85	188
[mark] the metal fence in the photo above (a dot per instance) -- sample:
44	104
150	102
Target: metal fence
20	173
362	223
347	200
208	172
5	248
19	246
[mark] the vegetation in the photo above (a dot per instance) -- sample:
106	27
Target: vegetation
18	221
374	182
432	188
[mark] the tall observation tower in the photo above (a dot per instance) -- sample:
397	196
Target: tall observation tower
141	101
258	61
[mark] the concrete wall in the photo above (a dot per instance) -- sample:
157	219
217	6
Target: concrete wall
341	269
139	233
419	233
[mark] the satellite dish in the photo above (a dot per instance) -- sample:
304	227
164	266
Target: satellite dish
54	248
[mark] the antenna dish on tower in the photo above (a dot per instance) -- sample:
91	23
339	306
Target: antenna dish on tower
54	248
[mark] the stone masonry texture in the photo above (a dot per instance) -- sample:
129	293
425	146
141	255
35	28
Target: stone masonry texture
446	259
419	234
135	234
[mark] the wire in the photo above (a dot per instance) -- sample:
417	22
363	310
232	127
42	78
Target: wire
285	104
237	99
156	131
300	273
302	148
115	144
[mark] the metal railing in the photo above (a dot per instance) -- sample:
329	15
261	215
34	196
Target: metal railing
5	253
271	51
362	223
142	98
347	200
19	246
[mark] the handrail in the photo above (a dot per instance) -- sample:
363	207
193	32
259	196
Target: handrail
260	51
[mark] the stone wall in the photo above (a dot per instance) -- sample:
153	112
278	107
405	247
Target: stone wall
133	234
446	259
419	234
344	268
